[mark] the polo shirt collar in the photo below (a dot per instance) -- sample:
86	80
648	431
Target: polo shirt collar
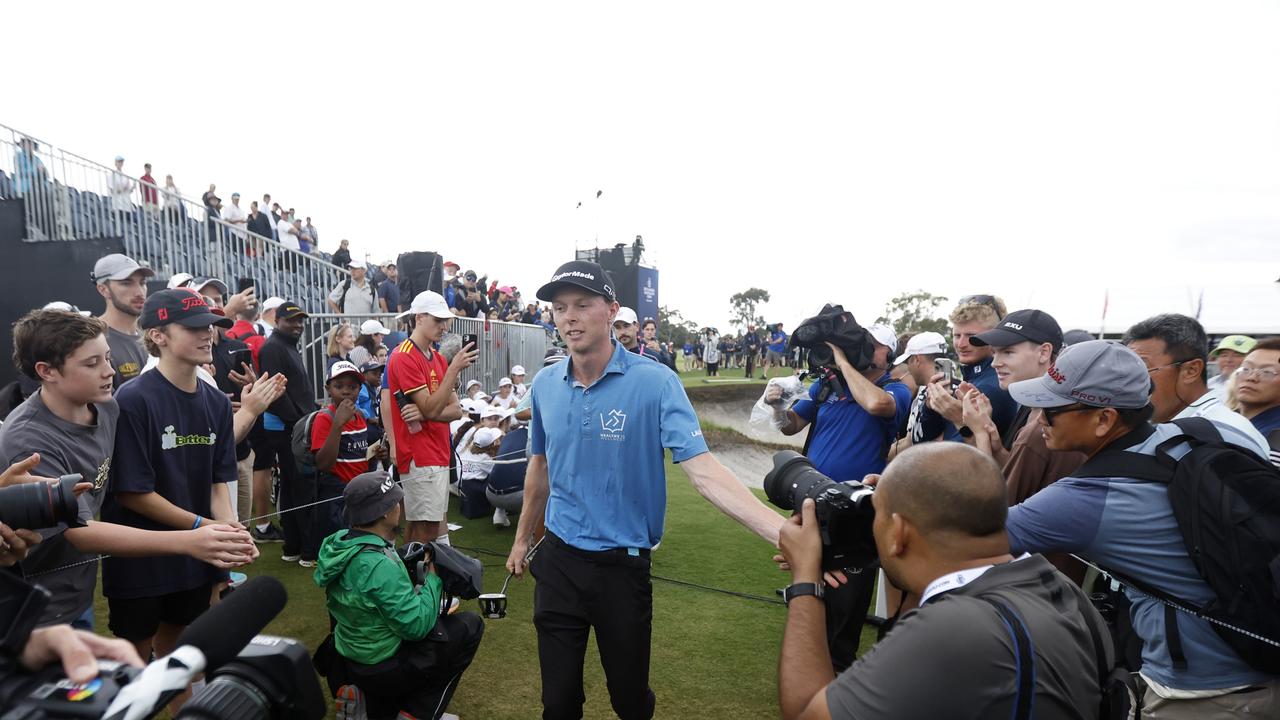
617	364
977	368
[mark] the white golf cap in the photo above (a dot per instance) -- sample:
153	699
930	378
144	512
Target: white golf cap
65	307
504	382
354	263
486	436
884	335
118	267
428	303
626	315
372	327
471	384
925	343
180	280
272	303
492	411
517	370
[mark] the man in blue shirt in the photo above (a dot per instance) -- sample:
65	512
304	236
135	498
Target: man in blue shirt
1096	399
942	414
775	350
853	426
596	483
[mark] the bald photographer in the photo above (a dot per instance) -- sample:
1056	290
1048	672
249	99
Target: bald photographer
994	635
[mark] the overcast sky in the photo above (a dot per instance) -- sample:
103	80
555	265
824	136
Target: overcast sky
838	152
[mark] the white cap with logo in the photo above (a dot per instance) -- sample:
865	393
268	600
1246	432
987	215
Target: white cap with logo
925	343
428	303
626	315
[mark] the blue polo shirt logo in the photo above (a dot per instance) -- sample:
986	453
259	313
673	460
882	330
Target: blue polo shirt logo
612	425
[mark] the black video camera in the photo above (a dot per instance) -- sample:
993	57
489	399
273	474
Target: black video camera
36	505
833	325
843	510
461	575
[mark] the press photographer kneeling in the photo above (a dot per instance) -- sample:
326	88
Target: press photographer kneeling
396	652
993	633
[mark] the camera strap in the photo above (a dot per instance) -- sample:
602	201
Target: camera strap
1025	660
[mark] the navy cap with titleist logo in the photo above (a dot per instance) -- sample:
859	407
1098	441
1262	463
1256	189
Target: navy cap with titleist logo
1019	326
182	306
582	274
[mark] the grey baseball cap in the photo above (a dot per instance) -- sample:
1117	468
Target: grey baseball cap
1099	373
369	496
117	267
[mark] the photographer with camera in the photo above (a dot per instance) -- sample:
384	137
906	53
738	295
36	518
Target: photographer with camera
853	420
70	422
396	652
994	635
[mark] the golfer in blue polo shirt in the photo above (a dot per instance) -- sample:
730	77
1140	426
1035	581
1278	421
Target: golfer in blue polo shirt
596	479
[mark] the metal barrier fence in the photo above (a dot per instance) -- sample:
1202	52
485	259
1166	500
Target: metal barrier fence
68	197
502	345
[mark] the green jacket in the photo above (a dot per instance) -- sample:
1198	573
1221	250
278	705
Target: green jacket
370	595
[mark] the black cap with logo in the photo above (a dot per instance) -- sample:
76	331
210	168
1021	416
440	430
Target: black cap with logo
288	309
582	274
1018	326
183	306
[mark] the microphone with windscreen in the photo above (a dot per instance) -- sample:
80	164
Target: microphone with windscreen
215	638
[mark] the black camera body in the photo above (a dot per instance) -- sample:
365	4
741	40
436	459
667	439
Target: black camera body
833	324
271	678
843	510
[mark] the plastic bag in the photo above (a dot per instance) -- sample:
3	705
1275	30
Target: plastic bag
762	414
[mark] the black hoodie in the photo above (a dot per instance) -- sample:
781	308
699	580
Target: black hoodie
279	354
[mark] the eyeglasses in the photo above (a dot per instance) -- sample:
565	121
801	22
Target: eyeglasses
1263	374
988	300
1161	367
1051	413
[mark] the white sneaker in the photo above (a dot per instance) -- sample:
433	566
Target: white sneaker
500	517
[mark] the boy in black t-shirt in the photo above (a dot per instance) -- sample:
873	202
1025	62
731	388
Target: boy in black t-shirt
174	454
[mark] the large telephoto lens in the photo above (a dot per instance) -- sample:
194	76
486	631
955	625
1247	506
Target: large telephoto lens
36	505
793	479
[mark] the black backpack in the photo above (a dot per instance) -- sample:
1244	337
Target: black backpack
1226	501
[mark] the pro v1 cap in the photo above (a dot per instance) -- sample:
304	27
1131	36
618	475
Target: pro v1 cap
1098	373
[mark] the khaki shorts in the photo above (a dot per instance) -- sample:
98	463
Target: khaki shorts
426	493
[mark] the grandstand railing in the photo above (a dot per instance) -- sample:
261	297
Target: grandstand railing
503	345
68	197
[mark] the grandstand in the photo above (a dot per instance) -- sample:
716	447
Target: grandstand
58	215
67	197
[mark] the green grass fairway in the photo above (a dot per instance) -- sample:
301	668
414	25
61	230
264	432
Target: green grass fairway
714	655
699	377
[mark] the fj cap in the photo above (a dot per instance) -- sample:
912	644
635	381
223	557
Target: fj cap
925	343
427	303
1098	373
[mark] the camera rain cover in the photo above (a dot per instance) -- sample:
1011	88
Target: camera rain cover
837	326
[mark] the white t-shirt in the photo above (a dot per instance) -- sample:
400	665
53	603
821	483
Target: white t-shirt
287	239
475	466
236	217
520	390
505	403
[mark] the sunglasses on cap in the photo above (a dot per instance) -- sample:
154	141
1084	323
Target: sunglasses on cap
988	300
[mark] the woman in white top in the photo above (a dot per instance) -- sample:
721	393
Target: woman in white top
506	397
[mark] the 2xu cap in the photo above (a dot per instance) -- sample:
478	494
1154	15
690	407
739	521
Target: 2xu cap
1019	326
1098	373
182	306
580	274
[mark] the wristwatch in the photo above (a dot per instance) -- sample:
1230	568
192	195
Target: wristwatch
801	589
